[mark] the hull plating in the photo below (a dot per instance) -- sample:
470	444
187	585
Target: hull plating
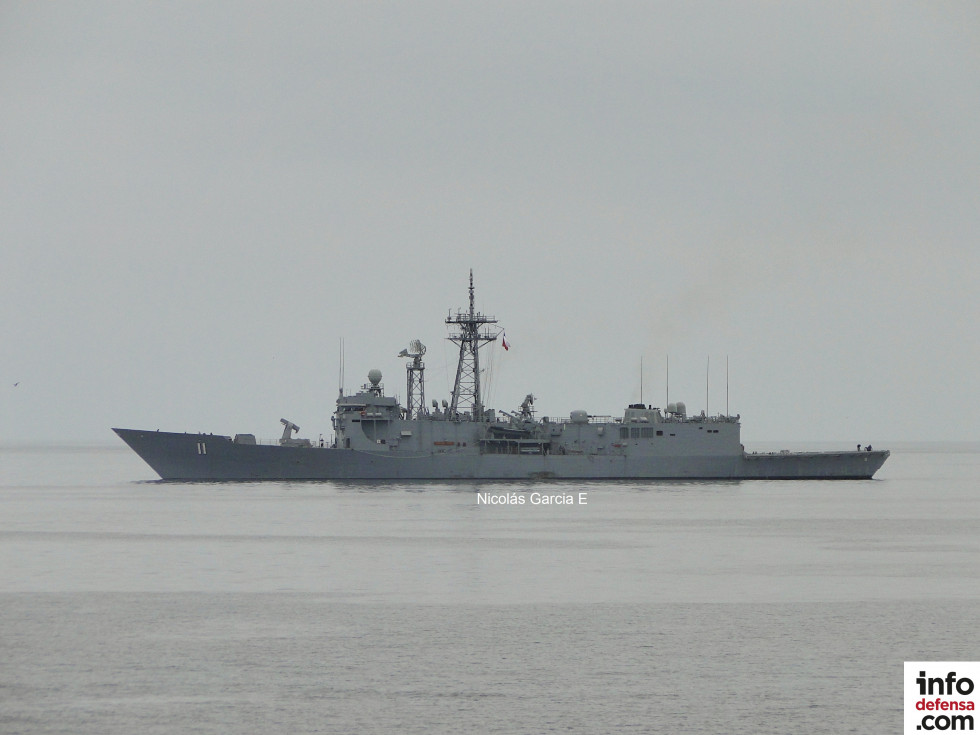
175	456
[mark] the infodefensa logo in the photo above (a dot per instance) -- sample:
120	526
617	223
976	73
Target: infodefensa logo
940	696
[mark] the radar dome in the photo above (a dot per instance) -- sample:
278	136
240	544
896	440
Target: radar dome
374	376
579	417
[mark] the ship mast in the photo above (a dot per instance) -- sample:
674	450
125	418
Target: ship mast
415	402
466	392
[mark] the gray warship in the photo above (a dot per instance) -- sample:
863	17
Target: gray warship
376	438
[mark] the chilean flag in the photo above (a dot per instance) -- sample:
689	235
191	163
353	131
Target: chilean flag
504	341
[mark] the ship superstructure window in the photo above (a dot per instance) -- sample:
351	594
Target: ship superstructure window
646	433
634	433
660	433
624	433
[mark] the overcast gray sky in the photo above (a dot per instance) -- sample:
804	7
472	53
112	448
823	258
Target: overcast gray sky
199	200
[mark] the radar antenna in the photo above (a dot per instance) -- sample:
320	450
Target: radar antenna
466	391
415	402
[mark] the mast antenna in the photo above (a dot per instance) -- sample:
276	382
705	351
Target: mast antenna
469	337
707	382
341	366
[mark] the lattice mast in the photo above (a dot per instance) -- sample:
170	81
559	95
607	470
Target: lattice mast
469	337
416	388
415	408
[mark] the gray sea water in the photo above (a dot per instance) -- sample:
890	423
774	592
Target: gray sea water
131	606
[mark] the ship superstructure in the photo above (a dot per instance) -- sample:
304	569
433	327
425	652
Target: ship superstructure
377	438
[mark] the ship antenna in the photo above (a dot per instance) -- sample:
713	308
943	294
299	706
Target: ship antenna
341	367
641	378
707	381
726	386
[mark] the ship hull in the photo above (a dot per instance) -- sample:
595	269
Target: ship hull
208	457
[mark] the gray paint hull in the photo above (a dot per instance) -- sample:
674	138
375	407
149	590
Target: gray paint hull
207	457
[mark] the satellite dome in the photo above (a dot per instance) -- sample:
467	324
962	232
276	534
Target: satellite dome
374	376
